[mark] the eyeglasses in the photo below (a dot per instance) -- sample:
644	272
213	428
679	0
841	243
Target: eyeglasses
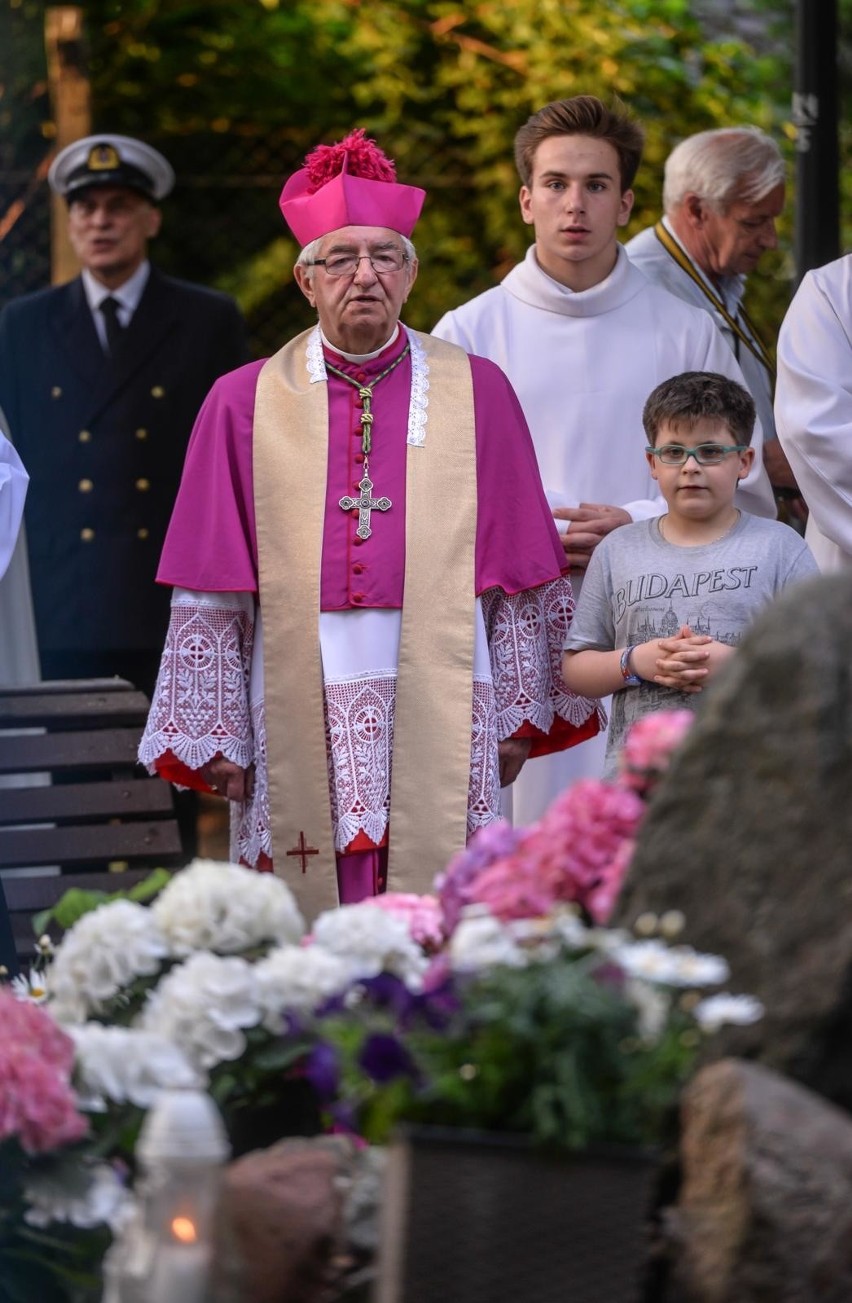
347	264
706	454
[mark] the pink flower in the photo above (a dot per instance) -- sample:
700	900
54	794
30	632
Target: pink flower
648	747
32	1026
422	914
577	853
37	1104
456	885
516	888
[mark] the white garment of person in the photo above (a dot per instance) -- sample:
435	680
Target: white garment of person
647	253
13	491
582	365
813	406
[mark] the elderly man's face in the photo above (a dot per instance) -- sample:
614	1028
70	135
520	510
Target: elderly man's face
733	242
358	311
109	228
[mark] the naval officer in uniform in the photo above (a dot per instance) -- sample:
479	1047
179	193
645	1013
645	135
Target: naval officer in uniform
101	380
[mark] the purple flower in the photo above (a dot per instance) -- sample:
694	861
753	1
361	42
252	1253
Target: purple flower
322	1070
455	884
609	975
387	991
383	1058
437	1006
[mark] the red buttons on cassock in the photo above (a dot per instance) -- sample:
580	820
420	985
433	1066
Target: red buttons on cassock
357	541
357	597
358	568
359	458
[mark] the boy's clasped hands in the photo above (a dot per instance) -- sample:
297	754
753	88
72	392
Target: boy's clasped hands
683	662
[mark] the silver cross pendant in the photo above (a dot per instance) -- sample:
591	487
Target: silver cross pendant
366	504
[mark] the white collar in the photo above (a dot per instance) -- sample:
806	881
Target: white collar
360	357
127	295
531	285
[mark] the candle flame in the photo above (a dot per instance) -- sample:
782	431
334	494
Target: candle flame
183	1229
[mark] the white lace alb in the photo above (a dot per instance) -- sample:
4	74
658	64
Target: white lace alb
203	707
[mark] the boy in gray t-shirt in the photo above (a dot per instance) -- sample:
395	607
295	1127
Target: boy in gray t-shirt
665	601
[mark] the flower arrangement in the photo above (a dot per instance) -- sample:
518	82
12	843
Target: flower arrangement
501	1001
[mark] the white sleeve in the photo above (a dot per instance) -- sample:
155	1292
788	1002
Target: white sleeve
813	398
13	491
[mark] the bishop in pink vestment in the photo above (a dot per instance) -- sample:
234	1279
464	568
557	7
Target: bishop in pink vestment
208	724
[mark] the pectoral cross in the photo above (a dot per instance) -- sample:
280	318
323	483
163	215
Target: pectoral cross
303	850
365	504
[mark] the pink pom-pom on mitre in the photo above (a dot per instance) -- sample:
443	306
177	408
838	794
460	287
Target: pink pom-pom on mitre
357	154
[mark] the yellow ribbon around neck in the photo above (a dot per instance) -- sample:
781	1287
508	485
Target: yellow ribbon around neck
752	341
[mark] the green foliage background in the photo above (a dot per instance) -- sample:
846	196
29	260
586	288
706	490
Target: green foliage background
443	85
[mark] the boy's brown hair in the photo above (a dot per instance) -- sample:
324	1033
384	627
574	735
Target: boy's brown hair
683	400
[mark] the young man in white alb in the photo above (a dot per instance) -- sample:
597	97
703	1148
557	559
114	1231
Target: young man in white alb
583	337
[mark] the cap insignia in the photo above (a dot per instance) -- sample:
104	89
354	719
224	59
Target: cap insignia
103	158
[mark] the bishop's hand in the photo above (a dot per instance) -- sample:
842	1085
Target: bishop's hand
229	780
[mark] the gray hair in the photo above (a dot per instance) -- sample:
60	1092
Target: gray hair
311	251
732	164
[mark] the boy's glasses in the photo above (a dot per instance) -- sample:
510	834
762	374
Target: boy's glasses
706	454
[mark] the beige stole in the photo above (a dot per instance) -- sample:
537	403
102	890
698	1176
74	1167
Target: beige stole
434	696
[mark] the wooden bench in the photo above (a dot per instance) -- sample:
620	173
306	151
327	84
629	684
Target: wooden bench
100	822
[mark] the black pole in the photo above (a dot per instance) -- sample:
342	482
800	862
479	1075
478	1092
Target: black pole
817	238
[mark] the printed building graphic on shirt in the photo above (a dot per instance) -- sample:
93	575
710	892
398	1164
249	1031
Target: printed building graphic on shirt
668	623
656	605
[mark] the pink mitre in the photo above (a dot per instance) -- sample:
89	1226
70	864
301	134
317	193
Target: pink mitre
351	183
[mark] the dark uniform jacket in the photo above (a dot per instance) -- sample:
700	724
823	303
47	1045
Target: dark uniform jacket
103	439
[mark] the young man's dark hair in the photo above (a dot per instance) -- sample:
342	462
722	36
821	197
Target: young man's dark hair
584	115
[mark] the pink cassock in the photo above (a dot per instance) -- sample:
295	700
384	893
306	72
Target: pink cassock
211	543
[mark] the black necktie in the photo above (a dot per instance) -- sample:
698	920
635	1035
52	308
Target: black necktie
114	328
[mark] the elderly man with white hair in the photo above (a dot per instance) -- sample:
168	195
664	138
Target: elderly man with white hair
723	191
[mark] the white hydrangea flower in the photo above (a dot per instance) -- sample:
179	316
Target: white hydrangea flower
126	1065
222	907
670	965
373	940
105	951
717	1010
299	978
480	941
82	1197
203	1005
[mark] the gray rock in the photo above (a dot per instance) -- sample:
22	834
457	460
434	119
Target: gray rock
764	1211
750	834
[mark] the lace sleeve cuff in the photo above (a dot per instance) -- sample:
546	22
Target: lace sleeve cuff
200	707
526	633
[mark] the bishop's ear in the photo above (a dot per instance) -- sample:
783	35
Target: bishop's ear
303	277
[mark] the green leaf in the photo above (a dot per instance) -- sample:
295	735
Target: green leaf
72	905
148	887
